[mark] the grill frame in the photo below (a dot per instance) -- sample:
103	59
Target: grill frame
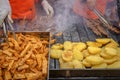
80	32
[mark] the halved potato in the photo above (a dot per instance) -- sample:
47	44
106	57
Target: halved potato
56	54
66	65
57	46
67	45
100	66
86	63
77	55
110	61
80	46
103	40
94	44
115	65
104	55
67	56
85	53
77	64
94	60
94	50
111	51
112	44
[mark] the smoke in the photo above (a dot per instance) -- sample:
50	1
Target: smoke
65	18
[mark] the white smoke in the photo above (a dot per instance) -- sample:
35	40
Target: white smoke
64	16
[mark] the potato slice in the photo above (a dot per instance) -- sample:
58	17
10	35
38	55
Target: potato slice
66	65
85	53
77	64
103	40
94	50
118	50
77	55
67	45
57	46
112	44
104	55
111	51
94	44
56	54
115	65
86	63
80	46
94	60
67	56
110	61
100	66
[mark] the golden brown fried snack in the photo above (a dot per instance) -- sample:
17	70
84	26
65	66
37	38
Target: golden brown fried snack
24	59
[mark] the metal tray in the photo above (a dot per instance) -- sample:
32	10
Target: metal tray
44	35
81	33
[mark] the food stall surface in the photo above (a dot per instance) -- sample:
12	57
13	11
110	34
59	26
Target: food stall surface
77	32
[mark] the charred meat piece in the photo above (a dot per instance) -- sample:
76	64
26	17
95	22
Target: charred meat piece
98	28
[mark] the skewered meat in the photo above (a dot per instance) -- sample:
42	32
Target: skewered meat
98	28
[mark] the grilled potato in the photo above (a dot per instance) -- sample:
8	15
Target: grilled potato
85	53
94	60
66	65
56	54
100	66
94	50
94	44
77	55
57	46
67	45
80	46
115	65
110	51
86	63
67	56
77	64
103	40
110	61
104	55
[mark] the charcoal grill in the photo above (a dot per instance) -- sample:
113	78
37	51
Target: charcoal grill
80	32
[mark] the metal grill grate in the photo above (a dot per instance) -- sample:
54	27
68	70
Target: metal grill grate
80	32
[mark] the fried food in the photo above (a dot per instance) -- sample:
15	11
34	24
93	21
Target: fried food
57	46
56	54
93	44
67	56
111	60
67	45
111	51
25	58
94	50
86	63
80	46
115	65
95	55
103	40
85	53
112	44
67	65
77	55
100	66
8	75
78	64
94	60
104	55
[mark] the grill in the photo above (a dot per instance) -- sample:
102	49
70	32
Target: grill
80	32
